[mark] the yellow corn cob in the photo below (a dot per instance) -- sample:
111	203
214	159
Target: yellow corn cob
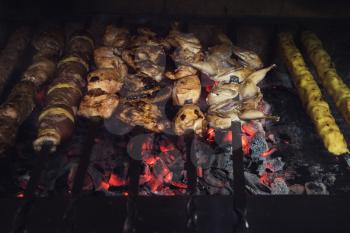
310	94
328	75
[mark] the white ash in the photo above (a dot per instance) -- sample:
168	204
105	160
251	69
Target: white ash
279	187
273	165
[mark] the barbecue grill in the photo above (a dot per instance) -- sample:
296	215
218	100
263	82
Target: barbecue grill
112	173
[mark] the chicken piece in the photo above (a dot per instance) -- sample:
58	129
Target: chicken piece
219	122
221	93
116	37
147	59
107	80
190	117
106	57
142	114
181	72
248	58
187	90
98	104
136	87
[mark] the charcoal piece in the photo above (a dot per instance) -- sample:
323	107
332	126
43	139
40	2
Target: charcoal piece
258	146
273	165
316	188
329	179
254	185
315	171
279	187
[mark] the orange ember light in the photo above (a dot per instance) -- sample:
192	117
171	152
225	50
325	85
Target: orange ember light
228	137
20	195
114	180
179	185
264	179
211	134
248	129
245	145
166	148
268	152
104	185
125	194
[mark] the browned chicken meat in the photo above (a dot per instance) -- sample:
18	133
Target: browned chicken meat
181	72
146	56
106	57
186	90
190	117
144	89
142	114
107	80
98	104
116	37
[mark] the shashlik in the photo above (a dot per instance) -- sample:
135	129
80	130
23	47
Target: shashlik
21	101
12	53
311	96
56	121
190	117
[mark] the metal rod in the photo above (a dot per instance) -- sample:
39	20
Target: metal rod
20	218
239	197
190	167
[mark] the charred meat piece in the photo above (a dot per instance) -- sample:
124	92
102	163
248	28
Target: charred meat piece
11	53
107	80
98	104
115	37
136	87
187	90
142	114
190	117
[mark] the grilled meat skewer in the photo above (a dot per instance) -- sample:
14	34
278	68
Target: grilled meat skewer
21	101
12	53
56	121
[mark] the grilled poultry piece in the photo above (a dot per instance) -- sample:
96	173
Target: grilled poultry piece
12	52
105	79
181	72
56	121
97	103
142	114
147	56
222	92
21	101
186	90
311	96
116	37
190	117
107	57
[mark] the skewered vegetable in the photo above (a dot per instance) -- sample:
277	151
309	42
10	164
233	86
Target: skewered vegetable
311	96
327	73
56	121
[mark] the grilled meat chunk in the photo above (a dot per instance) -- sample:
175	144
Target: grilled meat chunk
116	37
107	80
106	57
11	54
98	104
190	117
142	114
187	90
